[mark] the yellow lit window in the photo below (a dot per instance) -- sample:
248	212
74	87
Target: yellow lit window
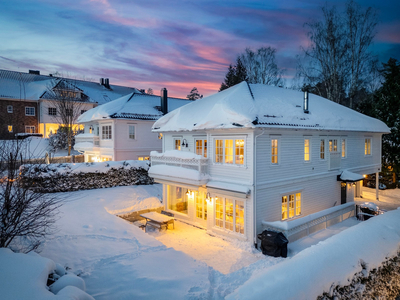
274	151
298	204
219	212
322	150
291	206
177	144
229	214
219	151
229	151
10	128
306	149
367	146
239	213
284	208
239	152
332	145
343	148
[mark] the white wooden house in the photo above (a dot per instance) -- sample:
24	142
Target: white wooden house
121	129
254	157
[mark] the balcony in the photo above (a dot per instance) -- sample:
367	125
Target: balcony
86	141
334	160
179	166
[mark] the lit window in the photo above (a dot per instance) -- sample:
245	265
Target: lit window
274	151
132	132
333	145
201	205
322	149
201	147
29	111
106	158
343	148
29	129
229	151
106	132
367	146
143	158
177	144
52	111
177	199
306	149
291	208
10	128
10	109
229	214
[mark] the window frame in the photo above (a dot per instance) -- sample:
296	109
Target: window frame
297	209
52	108
367	146
30	126
308	139
134	131
277	155
174	145
10	109
331	147
234	151
30	108
241	230
106	134
204	146
322	149
343	148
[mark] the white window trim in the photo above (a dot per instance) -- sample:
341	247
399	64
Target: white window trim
180	138
301	204
234	154
111	133
309	149
278	138
48	111
10	109
370	146
322	139
30	126
34	111
223	229
345	148
134	131
201	138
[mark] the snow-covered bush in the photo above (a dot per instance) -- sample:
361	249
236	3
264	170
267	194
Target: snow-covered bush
59	140
83	176
380	283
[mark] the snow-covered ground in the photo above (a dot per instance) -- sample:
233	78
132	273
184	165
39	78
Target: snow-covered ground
118	260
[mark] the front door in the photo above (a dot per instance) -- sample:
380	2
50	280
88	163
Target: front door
200	204
343	187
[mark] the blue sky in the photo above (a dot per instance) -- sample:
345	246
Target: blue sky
156	44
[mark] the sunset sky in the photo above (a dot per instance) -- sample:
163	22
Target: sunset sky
154	44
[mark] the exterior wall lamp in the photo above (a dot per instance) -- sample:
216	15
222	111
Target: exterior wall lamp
90	129
185	143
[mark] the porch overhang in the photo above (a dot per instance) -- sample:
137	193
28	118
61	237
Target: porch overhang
177	176
229	189
348	176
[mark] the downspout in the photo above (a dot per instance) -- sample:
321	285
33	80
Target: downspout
254	187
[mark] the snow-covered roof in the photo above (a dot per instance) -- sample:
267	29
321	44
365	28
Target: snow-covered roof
257	105
18	85
133	106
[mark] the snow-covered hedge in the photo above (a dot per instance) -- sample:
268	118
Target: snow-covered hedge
83	176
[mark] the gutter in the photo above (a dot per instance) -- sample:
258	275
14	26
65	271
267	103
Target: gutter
254	187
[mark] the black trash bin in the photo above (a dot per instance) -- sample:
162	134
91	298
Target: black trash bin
273	243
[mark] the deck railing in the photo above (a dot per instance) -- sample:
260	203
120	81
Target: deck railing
199	164
82	138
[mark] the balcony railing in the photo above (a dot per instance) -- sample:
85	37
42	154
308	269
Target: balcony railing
198	164
334	160
88	138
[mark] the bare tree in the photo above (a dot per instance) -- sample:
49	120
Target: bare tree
338	62
261	66
26	216
68	102
150	91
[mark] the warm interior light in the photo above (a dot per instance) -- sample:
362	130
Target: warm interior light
365	176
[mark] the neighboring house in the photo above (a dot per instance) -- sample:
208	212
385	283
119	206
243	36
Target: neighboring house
254	157
121	129
27	100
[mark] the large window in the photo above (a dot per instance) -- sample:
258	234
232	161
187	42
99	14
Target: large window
367	146
343	148
178	199
274	151
29	129
306	149
229	214
29	111
132	132
106	132
52	111
201	205
229	151
201	147
322	149
291	206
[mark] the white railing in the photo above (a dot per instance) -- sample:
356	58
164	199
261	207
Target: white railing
312	223
334	160
88	138
199	164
